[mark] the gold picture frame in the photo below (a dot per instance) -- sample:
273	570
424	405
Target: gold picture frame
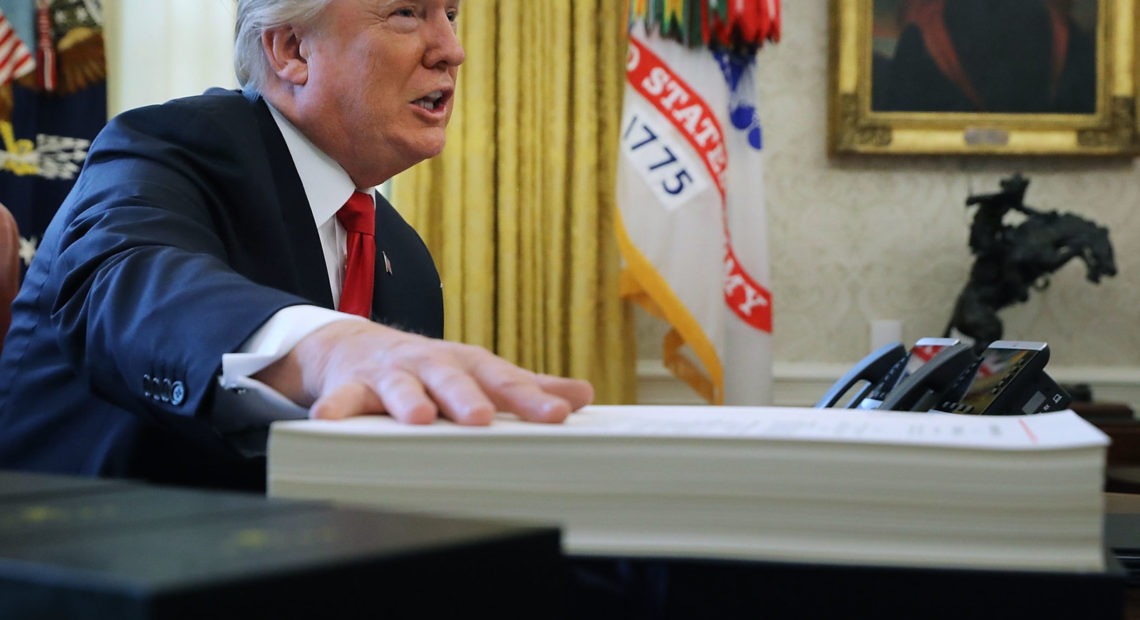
913	114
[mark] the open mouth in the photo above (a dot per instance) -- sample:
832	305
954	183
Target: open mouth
432	100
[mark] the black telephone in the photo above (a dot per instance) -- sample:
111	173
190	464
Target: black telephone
922	352
1010	380
943	378
878	368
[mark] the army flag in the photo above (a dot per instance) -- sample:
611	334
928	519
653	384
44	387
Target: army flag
691	219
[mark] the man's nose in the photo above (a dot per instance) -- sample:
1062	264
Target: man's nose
444	49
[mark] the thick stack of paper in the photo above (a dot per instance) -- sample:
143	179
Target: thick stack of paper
831	485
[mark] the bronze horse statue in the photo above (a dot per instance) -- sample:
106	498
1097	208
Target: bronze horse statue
1011	260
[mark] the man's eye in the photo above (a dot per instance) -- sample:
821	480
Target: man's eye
405	12
452	16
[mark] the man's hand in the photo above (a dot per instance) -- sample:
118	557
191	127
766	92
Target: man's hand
349	368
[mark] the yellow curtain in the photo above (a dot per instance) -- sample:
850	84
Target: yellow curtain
518	210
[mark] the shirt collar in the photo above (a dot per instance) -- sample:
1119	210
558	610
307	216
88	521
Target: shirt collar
327	185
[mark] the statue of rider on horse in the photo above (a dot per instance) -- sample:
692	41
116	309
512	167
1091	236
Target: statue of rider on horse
1011	260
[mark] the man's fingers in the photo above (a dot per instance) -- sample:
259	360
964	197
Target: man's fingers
396	393
574	391
526	400
473	398
404	398
533	397
346	400
459	396
369	369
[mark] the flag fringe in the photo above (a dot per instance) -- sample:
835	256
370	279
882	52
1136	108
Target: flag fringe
740	26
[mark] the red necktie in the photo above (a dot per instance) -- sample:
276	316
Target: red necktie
358	216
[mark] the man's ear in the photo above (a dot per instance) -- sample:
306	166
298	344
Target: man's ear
282	47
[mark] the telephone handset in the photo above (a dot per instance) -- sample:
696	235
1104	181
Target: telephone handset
1011	379
935	382
876	368
922	352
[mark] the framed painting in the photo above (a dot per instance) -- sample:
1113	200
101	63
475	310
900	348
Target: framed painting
1016	77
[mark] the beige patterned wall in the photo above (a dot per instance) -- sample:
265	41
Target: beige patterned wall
855	240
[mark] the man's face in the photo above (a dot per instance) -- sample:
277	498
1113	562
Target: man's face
381	82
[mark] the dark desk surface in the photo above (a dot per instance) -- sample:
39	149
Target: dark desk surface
1122	535
85	549
80	548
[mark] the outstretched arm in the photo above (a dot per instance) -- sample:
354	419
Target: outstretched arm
350	368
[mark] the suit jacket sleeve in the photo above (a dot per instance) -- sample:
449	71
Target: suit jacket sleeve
174	246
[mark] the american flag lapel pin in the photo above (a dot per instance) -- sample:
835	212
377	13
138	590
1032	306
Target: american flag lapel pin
387	263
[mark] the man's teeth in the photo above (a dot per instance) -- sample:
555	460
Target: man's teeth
429	102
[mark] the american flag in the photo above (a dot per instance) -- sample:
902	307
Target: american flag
16	59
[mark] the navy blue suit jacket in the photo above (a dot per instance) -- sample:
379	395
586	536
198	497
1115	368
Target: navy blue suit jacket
187	229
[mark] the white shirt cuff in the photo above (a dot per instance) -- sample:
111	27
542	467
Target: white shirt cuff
244	401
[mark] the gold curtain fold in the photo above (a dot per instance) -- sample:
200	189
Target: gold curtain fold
518	210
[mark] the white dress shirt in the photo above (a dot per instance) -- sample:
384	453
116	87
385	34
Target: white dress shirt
244	402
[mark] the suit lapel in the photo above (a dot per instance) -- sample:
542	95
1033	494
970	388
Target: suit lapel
308	259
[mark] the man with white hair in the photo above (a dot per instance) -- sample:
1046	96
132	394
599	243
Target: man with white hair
187	292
